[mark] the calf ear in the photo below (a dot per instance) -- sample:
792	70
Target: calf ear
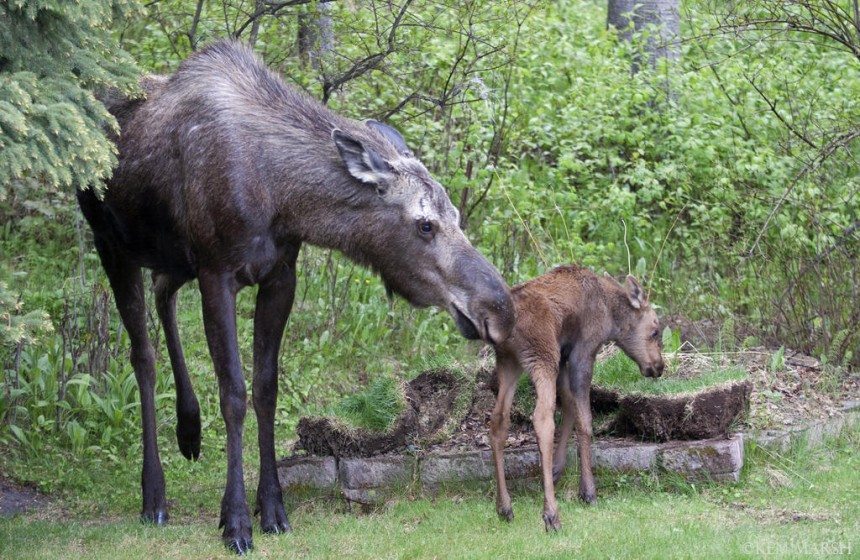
635	294
391	134
362	163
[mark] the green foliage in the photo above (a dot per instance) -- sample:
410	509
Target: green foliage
16	326
671	340
526	112
777	360
375	408
53	55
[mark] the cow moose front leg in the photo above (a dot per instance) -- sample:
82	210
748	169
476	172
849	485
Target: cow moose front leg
218	291
544	378
126	282
274	301
580	372
187	407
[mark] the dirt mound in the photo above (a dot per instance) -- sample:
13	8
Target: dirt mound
702	415
429	401
17	498
432	399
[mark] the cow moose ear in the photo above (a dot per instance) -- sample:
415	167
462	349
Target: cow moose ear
635	294
391	134
362	163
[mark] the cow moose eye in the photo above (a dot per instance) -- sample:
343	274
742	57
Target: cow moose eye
425	227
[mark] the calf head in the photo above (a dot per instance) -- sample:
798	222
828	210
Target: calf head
410	233
639	329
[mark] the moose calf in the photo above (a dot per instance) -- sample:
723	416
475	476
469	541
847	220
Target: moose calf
563	319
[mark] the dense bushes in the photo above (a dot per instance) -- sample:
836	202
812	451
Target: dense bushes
733	196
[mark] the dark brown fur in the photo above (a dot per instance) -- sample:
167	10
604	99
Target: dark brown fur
563	318
223	173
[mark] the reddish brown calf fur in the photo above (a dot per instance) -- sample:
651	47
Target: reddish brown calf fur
563	319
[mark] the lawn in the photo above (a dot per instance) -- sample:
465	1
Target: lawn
801	504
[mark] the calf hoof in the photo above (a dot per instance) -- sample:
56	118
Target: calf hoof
188	434
506	513
588	497
551	522
273	519
157	517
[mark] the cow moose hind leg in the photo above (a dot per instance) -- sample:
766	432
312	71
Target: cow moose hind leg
126	282
188	432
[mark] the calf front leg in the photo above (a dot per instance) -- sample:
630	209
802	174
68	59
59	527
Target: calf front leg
580	381
274	301
218	291
567	419
507	372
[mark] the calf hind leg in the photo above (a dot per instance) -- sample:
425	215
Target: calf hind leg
544	378
126	282
187	408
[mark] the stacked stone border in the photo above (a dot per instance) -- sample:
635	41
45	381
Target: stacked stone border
374	479
811	434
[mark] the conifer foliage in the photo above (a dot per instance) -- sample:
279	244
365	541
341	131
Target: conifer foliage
54	54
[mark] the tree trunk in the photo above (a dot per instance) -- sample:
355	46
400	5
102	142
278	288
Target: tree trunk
315	34
662	17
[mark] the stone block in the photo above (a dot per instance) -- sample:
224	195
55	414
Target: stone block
376	472
623	456
703	459
319	473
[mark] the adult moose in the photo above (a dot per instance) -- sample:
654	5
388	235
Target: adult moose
223	173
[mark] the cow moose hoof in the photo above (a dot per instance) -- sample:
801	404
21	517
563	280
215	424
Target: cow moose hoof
506	514
239	545
188	434
237	530
273	520
551	522
157	517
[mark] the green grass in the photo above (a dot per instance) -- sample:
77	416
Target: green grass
803	504
620	373
374	408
